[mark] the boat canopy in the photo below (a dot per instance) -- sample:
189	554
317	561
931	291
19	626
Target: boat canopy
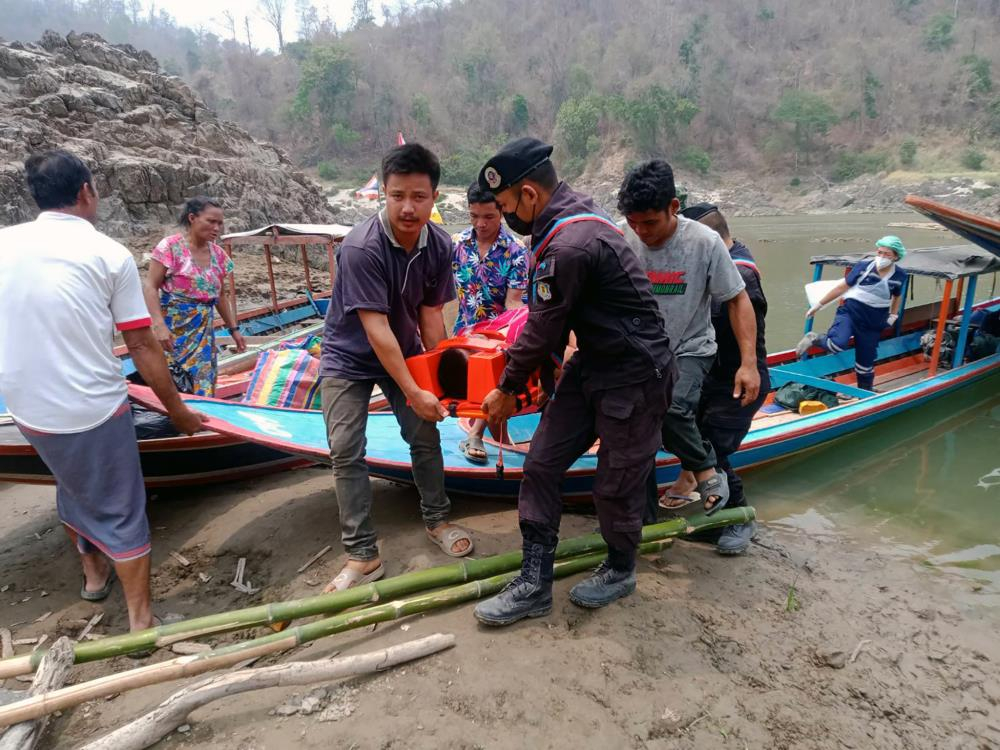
951	262
978	229
292	234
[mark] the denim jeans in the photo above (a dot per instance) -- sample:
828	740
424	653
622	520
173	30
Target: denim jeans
345	410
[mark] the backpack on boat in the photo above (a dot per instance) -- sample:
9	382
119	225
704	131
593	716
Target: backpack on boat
790	395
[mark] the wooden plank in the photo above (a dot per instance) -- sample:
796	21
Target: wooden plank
939	334
51	675
305	267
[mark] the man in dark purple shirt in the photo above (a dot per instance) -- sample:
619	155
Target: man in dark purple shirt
393	277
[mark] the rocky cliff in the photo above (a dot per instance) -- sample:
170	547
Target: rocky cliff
148	137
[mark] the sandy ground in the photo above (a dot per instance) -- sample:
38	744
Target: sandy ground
705	654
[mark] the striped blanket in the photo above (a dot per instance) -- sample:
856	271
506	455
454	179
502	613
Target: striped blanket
287	379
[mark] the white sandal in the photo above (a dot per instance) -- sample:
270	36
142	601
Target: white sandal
349	577
446	541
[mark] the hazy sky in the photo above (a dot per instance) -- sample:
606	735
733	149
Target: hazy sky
208	15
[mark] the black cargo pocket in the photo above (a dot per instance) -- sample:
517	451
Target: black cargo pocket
618	410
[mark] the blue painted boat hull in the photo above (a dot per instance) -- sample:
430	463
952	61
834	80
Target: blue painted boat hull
304	433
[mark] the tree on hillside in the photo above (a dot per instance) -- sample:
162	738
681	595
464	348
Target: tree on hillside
690	53
809	115
978	76
518	116
651	113
326	85
362	14
938	32
576	124
274	13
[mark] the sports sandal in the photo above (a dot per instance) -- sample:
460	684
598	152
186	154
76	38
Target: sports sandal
717	487
473	450
446	541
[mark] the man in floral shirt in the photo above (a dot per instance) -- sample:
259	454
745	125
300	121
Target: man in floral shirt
491	274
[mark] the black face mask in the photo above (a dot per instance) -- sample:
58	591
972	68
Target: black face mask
515	222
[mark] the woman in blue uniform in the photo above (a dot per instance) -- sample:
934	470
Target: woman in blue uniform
871	292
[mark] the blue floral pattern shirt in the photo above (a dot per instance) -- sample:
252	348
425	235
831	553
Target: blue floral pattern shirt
482	283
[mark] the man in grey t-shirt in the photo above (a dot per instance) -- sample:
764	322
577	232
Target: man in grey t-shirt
689	266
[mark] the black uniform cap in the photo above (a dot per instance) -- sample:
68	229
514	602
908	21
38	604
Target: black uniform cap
698	210
512	163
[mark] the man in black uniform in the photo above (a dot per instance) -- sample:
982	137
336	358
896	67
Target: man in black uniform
723	419
616	387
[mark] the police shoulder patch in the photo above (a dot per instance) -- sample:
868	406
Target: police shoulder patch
544	291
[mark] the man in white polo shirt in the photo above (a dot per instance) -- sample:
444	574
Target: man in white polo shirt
64	289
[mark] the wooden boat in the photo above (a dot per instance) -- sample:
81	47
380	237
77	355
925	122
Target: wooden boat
905	379
210	457
978	229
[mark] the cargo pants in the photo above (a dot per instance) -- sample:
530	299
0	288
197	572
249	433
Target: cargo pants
627	420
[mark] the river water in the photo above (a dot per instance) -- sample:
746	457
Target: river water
925	485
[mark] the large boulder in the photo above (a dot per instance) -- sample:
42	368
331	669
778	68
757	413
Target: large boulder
148	137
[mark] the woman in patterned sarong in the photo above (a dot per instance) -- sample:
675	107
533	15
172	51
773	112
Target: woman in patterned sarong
183	288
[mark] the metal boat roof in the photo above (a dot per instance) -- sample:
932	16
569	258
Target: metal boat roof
950	262
293	233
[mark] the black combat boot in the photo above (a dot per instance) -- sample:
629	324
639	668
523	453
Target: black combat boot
528	595
613	579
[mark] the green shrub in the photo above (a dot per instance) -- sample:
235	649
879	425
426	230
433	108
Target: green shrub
344	136
697	159
973	159
795	182
938	33
576	124
572	167
327	170
907	152
851	164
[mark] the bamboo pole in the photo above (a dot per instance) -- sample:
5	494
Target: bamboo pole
338	601
188	666
171	713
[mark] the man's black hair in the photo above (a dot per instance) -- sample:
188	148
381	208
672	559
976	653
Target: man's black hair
715	220
647	187
544	175
55	178
411	158
476	194
195	206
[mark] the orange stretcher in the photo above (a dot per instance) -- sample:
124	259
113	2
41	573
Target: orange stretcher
463	369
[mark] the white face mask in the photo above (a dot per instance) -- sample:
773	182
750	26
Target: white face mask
881	262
